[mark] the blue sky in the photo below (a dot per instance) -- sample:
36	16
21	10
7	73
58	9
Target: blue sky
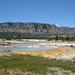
59	12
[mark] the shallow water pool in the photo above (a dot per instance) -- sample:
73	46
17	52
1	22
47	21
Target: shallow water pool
27	47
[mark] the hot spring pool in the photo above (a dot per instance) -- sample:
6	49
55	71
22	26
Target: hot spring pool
27	47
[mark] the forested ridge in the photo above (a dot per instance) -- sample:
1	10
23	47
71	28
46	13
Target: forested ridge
32	30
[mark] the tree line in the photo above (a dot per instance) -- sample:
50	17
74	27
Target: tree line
14	35
62	38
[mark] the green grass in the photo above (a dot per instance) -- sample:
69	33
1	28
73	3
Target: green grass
34	64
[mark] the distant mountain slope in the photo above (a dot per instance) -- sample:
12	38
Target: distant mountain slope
35	28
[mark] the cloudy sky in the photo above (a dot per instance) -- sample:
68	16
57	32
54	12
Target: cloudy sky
59	12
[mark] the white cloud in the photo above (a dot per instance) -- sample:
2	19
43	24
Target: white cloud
56	24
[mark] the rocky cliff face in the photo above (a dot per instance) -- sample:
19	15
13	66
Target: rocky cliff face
35	28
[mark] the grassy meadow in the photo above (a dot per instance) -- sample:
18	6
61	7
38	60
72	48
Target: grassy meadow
34	64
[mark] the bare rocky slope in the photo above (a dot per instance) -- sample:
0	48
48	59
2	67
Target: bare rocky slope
35	28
